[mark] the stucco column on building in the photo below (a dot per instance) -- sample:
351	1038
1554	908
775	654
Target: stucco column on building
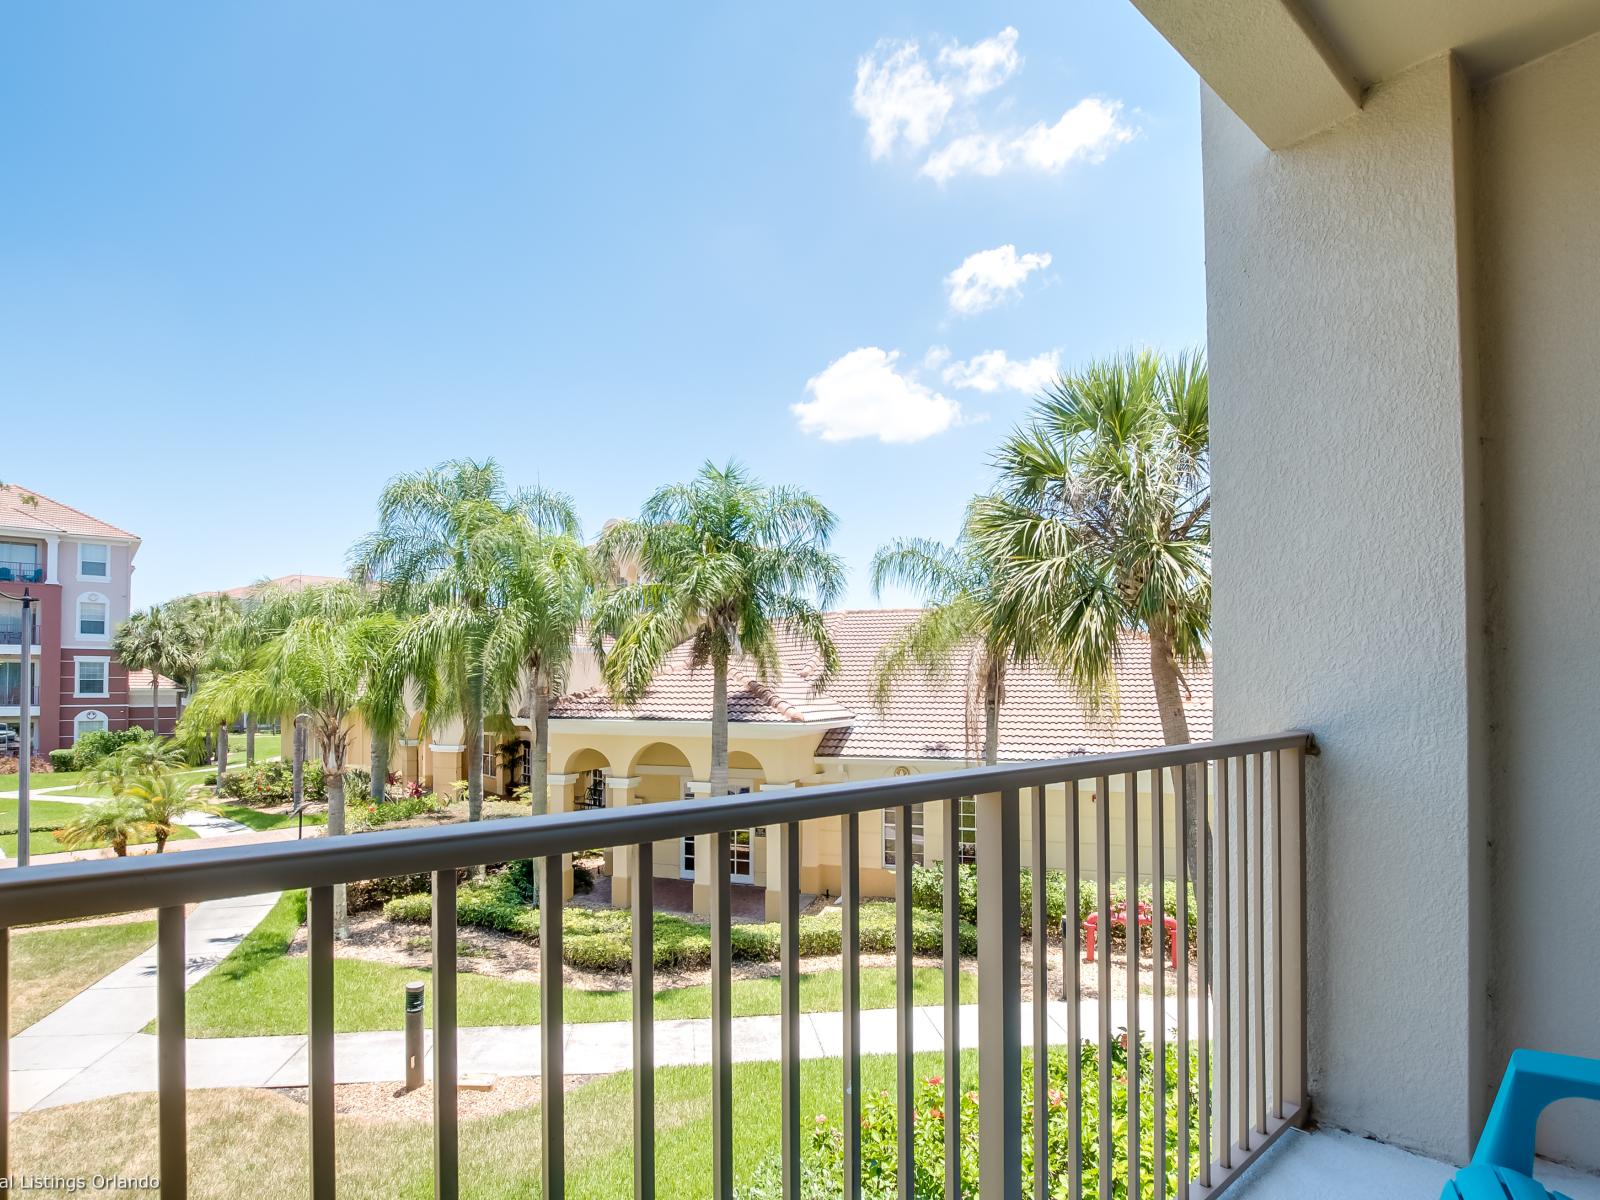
774	842
561	800
620	794
703	851
52	558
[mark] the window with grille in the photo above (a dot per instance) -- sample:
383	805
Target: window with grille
891	832
591	789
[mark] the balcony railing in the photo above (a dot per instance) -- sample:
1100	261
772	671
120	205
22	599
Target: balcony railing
1239	1039
20	572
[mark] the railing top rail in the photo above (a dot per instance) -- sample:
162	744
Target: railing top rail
64	891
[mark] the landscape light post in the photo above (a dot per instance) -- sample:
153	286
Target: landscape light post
25	729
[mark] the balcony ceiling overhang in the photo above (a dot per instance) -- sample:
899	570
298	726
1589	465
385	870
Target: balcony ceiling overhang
1289	68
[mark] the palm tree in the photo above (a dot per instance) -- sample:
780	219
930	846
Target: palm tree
423	559
162	799
968	617
151	640
144	758
111	822
329	643
725	563
209	643
1102	517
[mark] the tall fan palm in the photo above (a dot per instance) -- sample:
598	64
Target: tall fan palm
422	557
725	563
330	643
1102	517
969	619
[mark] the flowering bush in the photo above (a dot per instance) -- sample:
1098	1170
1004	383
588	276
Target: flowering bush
927	892
369	814
266	784
822	1160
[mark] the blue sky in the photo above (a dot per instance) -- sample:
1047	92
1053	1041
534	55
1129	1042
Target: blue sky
257	258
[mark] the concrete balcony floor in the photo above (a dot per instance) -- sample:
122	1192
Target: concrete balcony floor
1333	1165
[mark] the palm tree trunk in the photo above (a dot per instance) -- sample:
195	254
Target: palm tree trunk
119	846
475	751
993	683
1168	686
539	767
380	766
161	841
719	726
250	739
222	752
333	779
155	703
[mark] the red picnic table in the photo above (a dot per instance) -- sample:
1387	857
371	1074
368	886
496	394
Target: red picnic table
1119	916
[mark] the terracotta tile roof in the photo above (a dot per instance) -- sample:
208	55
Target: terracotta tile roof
21	508
926	718
140	681
286	583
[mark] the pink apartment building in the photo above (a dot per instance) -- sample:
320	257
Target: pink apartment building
79	570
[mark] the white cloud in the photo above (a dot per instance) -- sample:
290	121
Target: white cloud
994	369
898	97
905	100
983	66
1086	132
862	394
986	278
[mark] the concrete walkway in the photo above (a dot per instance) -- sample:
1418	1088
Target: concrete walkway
99	1027
117	1064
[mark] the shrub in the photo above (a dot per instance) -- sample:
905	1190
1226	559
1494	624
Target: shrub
91	747
266	784
60	760
369	814
822	1154
927	892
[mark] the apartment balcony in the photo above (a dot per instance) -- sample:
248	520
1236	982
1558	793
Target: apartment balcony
21	572
1220	1009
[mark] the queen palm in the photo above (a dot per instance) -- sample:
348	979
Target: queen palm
968	619
155	640
423	556
327	646
726	564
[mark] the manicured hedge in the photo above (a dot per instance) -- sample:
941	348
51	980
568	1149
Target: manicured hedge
927	892
601	939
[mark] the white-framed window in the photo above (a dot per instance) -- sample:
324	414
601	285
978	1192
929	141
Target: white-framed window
94	560
891	848
94	616
88	722
967	849
491	765
11	684
91	676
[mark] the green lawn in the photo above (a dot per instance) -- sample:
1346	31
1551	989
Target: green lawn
37	780
50	965
55	814
257	819
257	990
385	1160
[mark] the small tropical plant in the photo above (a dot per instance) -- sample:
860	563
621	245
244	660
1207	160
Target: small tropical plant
112	823
162	799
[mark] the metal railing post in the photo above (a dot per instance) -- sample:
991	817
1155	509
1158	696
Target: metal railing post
999	996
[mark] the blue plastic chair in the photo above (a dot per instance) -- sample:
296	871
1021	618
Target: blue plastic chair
1502	1165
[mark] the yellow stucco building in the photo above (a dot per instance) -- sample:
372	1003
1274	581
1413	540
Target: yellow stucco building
784	733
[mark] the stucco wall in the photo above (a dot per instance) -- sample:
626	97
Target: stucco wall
1343	558
1539	233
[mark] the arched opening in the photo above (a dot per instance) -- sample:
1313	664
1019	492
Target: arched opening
591	767
89	721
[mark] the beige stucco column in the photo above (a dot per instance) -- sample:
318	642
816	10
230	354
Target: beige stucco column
448	764
774	890
699	789
561	800
620	793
